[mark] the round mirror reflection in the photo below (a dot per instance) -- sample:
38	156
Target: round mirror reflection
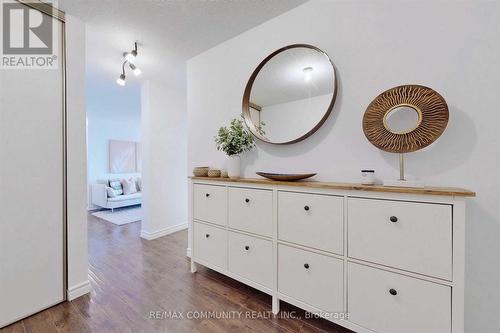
290	94
402	119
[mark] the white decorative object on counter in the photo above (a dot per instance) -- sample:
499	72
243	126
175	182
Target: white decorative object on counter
233	166
368	177
337	249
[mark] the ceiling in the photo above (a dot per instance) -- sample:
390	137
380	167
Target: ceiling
282	79
169	32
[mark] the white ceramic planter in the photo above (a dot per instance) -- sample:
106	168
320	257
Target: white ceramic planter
233	166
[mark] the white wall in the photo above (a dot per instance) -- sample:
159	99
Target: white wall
164	154
78	283
450	46
113	113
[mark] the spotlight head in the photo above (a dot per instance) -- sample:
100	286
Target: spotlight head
121	80
134	69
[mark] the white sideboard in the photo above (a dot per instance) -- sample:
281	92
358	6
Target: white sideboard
369	258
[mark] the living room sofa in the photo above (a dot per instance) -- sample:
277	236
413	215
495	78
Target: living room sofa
100	197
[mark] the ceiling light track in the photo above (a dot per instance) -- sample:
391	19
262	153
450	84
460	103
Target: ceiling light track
129	58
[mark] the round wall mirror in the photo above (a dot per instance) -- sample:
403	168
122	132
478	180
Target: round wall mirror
402	119
290	94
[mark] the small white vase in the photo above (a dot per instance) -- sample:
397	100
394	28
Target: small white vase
233	166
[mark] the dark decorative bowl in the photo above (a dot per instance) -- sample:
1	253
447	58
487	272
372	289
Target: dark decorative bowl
286	176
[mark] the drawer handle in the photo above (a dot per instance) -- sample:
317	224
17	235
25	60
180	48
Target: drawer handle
393	292
306	266
247	200
306	208
207	235
207	195
247	247
393	219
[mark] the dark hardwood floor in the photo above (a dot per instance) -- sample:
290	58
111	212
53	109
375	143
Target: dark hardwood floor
131	278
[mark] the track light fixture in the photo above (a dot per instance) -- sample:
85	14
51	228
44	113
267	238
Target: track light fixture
130	58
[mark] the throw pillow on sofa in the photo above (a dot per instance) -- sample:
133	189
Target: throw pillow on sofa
128	186
111	193
138	184
116	185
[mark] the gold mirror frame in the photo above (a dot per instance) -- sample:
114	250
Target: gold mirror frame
433	118
247	104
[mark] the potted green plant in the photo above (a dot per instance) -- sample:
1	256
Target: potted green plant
233	141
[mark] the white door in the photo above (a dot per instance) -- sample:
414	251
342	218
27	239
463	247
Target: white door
32	263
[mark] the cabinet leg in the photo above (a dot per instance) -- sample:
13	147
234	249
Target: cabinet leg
193	266
276	305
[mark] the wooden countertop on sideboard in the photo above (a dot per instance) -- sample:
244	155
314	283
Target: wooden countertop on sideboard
429	190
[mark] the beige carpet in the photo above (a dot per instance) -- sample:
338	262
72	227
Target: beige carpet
120	216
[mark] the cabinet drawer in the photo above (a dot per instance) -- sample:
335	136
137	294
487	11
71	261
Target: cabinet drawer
412	236
251	258
210	203
417	306
251	210
210	244
312	278
312	220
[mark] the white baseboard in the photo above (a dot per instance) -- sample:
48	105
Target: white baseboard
188	252
78	290
163	232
